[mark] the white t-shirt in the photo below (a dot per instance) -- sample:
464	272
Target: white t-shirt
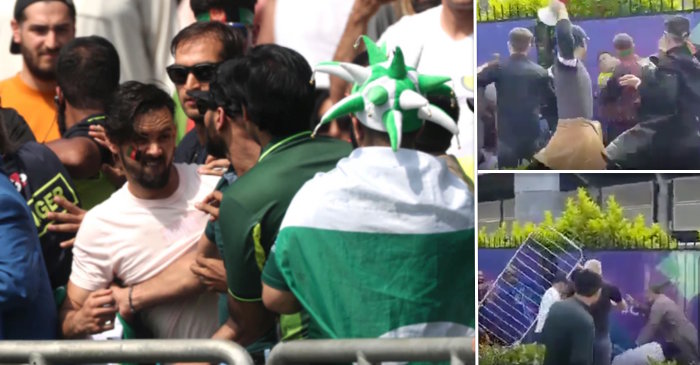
141	32
313	28
134	239
441	55
550	297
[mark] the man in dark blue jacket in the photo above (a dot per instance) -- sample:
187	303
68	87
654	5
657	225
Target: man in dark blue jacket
27	309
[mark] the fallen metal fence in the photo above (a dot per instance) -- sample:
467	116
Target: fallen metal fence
457	350
82	351
508	310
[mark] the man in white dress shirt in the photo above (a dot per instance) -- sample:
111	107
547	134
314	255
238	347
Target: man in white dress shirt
551	296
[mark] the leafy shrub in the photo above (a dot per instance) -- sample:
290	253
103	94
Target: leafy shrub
518	9
531	354
585	222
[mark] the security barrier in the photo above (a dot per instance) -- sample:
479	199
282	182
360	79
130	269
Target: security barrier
82	351
457	350
508	311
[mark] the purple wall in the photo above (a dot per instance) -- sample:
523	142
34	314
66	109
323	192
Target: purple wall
632	272
646	31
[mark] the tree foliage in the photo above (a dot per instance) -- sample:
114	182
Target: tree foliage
519	9
585	222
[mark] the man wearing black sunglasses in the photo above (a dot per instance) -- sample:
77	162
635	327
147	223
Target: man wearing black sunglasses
198	49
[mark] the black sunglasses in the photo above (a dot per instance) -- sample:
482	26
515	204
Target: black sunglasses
204	72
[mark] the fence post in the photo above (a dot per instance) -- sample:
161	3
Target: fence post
662	202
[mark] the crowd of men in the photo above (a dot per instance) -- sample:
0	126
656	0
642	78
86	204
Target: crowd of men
252	228
573	321
643	115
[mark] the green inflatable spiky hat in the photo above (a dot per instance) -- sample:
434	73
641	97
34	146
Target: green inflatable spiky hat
388	95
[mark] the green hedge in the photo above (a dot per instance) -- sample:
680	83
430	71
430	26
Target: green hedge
518	9
591	226
532	354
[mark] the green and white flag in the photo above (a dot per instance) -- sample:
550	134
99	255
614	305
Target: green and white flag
382	246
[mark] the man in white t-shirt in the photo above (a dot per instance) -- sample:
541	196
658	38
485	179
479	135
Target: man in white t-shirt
441	41
551	296
142	228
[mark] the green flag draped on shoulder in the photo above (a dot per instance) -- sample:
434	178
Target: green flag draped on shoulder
382	246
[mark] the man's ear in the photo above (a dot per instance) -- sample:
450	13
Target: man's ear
220	119
358	131
59	94
15	31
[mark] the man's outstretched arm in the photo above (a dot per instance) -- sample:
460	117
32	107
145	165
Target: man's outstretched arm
175	282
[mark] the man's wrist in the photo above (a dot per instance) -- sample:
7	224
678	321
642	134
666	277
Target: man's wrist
73	326
132	302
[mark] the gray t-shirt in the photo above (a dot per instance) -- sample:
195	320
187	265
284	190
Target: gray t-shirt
572	83
568	334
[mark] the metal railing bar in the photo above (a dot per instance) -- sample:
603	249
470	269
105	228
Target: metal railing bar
81	351
374	350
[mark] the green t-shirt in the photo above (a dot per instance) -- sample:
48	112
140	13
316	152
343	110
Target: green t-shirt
253	207
213	234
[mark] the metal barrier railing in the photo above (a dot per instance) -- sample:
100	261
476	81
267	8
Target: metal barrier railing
508	311
81	351
457	350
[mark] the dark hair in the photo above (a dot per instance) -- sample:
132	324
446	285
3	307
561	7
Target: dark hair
602	53
434	138
21	17
273	83
560	277
87	71
132	100
230	7
520	39
232	40
6	145
623	41
580	36
587	283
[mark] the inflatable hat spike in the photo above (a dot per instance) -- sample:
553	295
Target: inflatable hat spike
388	96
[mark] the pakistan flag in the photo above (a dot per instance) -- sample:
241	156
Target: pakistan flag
382	246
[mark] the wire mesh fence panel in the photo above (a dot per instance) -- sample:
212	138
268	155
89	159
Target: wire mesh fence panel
508	310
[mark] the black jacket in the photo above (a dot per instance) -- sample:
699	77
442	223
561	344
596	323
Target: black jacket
522	88
39	176
668	136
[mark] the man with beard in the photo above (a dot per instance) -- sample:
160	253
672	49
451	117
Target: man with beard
141	229
268	94
40	28
198	49
206	270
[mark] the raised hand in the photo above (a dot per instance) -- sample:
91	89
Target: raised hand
68	221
